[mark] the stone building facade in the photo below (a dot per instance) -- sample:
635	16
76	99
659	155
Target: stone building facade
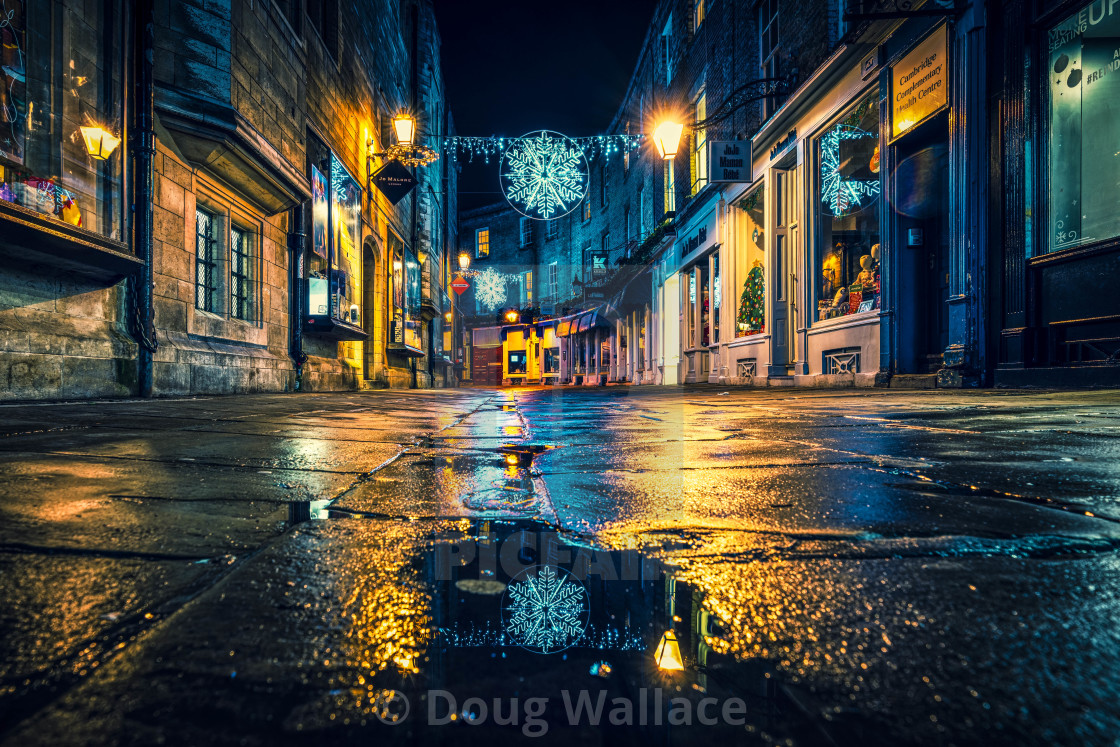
251	99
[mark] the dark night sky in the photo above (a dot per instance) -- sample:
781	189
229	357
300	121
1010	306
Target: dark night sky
513	67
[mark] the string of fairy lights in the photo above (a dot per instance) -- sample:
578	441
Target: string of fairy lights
494	146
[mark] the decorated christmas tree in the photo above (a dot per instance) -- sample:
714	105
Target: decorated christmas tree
751	304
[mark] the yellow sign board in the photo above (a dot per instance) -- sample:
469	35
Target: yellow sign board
920	82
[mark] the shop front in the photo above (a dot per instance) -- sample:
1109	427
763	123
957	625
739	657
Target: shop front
744	347
848	267
700	291
65	232
1056	315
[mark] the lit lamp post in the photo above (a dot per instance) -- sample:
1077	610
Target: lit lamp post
405	127
667	138
512	316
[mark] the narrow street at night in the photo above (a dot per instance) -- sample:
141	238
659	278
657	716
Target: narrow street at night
838	567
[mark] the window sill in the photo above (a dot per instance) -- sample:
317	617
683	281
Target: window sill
29	236
843	322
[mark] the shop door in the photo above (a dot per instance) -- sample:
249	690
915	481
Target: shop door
922	209
486	366
784	276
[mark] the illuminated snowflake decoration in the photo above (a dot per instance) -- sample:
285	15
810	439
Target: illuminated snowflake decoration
544	175
545	609
843	196
490	288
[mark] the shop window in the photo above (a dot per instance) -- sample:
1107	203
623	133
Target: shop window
1083	74
207	267
849	206
750	263
551	361
716	297
242	275
517	362
61	97
405	293
482	243
334	267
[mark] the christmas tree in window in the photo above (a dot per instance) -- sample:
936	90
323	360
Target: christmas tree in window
752	313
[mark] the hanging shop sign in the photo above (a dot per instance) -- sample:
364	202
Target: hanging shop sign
544	175
730	161
598	261
394	181
920	83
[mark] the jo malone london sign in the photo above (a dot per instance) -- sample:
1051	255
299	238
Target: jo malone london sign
920	83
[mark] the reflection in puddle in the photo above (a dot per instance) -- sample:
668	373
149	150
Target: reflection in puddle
301	511
509	628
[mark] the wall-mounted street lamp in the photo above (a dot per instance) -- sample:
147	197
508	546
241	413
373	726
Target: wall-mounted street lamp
405	150
464	260
447	317
513	316
405	126
100	143
667	138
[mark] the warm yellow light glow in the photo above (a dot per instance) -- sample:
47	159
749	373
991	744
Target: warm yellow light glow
511	459
512	316
667	138
405	127
100	143
464	260
668	655
447	317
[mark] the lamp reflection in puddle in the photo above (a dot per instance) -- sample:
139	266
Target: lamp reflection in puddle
668	654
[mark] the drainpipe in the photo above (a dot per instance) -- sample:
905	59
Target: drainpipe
143	194
296	296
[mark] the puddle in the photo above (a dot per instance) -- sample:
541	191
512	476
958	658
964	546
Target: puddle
301	511
533	635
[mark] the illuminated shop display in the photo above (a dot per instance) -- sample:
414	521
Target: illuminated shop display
1084	88
334	272
849	186
404	283
750	272
61	112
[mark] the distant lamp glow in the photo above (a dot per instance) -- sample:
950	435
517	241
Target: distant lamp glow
668	655
464	261
100	143
512	316
405	127
667	138
447	317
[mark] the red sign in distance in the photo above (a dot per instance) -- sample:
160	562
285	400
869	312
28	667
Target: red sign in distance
459	285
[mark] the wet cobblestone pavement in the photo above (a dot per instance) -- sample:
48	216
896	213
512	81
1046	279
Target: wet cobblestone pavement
481	567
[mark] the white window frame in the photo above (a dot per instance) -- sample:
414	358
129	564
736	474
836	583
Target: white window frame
553	281
552	230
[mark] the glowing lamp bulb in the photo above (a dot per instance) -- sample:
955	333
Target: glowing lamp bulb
512	316
447	317
100	143
405	126
667	138
464	261
668	654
